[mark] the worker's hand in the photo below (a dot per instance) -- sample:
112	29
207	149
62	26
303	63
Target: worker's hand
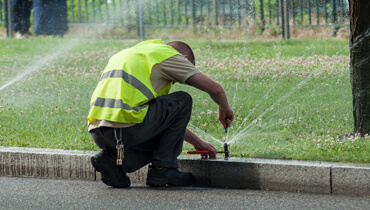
225	116
202	145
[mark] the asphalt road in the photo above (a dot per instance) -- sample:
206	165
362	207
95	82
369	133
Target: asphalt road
31	193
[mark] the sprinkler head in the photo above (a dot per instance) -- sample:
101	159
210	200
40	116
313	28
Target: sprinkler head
226	150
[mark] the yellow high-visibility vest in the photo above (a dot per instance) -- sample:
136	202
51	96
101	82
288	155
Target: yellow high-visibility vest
125	88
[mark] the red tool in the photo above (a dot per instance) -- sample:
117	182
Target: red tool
205	152
226	149
199	152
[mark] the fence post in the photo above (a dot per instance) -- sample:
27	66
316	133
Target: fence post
72	12
301	10
171	13
223	13
193	13
269	9
201	4
285	19
149	12
293	12
178	13
186	13
79	11
317	13
262	17
93	11
254	10
334	18
282	18
334	12
157	11
128	15
140	19
164	13
342	11
10	19
325	13
209	12
287	24
2	6
239	15
231	12
106	11
86	13
114	16
309	12
216	12
100	13
277	11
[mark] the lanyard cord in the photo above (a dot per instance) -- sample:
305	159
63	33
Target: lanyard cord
119	140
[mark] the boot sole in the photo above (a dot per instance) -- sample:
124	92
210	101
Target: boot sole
95	164
164	182
155	184
105	180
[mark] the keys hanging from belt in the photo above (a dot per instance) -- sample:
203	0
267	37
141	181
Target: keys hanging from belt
119	147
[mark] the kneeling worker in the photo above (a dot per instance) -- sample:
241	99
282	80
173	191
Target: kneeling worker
135	121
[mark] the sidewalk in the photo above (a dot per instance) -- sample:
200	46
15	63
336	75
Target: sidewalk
240	173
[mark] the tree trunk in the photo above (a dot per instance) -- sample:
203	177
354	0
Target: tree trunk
360	64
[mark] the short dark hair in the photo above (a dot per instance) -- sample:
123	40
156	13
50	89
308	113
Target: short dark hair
184	49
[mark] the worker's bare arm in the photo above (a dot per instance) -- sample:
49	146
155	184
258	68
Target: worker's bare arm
198	143
217	93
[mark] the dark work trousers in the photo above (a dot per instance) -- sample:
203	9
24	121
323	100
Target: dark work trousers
21	15
158	139
50	17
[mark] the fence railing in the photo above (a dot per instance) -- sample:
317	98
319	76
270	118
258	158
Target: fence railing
142	14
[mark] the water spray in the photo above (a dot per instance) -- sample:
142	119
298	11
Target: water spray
226	148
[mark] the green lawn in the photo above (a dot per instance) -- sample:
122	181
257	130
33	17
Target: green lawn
291	99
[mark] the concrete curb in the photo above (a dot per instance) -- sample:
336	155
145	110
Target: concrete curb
241	173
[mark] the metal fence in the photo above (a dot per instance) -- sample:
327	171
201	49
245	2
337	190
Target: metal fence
142	14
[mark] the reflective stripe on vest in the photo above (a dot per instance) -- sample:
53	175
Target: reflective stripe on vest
116	103
130	80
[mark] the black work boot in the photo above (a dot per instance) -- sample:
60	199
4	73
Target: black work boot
160	177
111	174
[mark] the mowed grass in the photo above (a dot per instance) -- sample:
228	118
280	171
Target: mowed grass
291	99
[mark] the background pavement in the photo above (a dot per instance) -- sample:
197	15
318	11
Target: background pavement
238	173
33	193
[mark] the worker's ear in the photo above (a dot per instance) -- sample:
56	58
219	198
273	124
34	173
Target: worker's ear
187	57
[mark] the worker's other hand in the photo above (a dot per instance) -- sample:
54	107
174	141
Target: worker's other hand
202	145
225	116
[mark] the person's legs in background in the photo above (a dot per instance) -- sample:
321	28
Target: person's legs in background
50	17
21	18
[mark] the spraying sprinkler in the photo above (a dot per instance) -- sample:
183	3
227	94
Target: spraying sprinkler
226	149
